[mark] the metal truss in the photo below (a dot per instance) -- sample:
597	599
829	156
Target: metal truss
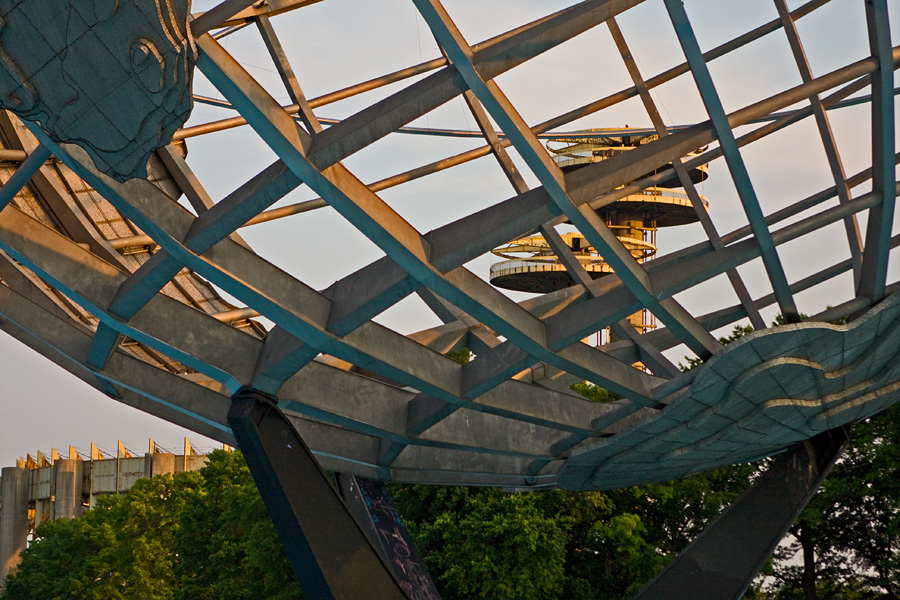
117	282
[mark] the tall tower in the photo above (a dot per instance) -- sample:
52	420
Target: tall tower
530	265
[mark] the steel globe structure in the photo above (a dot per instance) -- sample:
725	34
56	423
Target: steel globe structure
121	267
381	404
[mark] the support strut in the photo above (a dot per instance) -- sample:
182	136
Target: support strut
722	562
331	556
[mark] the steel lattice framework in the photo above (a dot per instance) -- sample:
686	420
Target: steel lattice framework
109	279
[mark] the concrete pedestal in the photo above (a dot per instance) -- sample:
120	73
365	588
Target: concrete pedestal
13	516
67	474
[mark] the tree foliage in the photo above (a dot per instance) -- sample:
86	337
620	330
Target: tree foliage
595	393
194	535
486	543
848	538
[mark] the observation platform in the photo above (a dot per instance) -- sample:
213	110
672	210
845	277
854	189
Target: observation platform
530	265
575	153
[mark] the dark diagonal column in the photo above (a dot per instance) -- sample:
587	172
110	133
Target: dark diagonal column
330	554
724	559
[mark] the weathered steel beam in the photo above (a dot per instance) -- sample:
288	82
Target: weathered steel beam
134	382
165	330
683	177
733	158
576	321
823	124
492	58
218	15
20	178
549	174
431	65
269	8
283	65
386	228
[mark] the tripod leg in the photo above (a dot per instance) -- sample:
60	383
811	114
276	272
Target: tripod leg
722	562
331	556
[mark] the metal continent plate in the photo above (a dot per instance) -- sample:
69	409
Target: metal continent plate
112	76
764	392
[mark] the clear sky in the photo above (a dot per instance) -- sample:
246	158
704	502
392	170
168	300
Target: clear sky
340	42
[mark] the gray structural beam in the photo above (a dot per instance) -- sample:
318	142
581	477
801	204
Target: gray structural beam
406	246
854	238
722	562
552	180
218	15
684	179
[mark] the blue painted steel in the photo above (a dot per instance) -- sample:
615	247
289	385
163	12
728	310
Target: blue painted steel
881	218
151	277
733	158
19	179
328	550
265	471
550	176
722	561
148	280
409	257
105	340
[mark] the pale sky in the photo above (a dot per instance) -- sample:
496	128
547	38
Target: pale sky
340	42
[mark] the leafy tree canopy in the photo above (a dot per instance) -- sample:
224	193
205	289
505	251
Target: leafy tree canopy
195	535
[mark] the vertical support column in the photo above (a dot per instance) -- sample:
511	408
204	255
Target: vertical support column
15	484
722	562
331	556
162	463
67	500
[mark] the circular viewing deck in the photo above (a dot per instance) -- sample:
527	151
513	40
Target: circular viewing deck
539	277
658	207
530	264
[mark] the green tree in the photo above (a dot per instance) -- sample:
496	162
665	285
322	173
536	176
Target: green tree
849	535
484	543
194	535
122	549
53	566
594	393
227	542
